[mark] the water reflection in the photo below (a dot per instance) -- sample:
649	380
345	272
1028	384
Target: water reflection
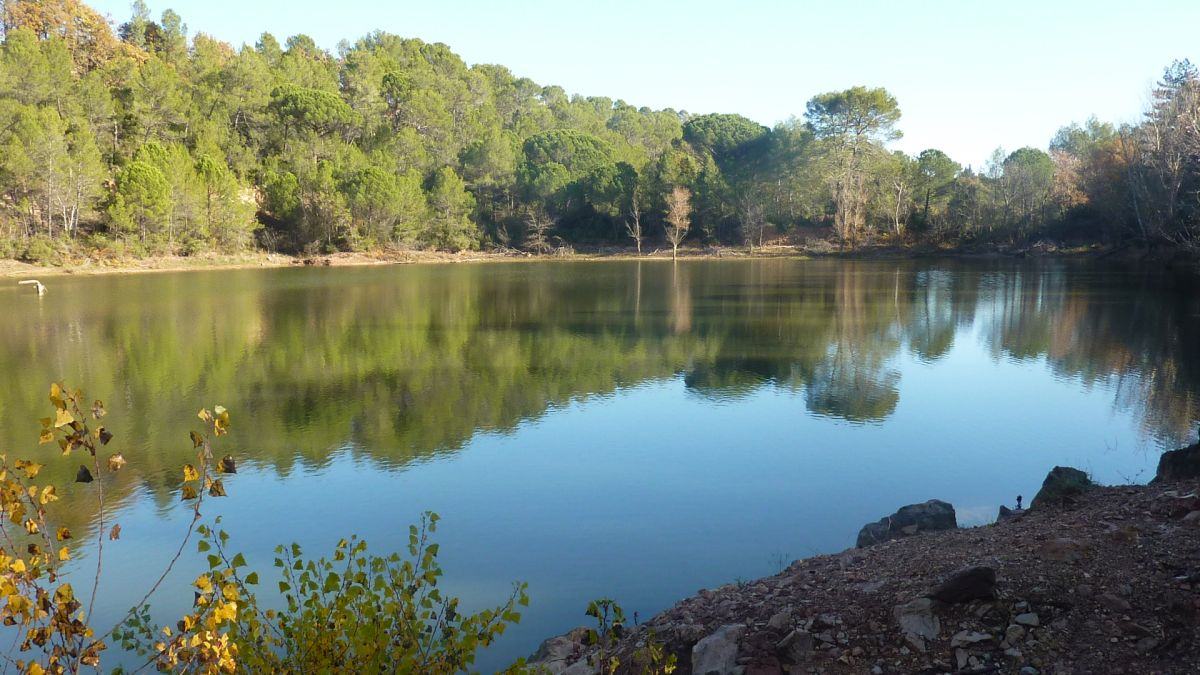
404	363
569	418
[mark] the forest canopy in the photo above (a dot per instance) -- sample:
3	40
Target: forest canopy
141	139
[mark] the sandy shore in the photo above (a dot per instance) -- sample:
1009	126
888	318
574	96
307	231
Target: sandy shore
257	260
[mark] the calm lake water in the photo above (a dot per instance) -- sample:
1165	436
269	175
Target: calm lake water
638	430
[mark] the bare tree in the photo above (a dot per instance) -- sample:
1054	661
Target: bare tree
679	217
537	224
753	217
901	202
633	226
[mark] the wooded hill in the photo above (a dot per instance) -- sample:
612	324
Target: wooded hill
140	139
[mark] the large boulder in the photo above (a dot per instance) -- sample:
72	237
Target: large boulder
1061	486
972	583
717	654
930	516
1181	464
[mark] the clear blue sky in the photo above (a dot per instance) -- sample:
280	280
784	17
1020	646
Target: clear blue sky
969	75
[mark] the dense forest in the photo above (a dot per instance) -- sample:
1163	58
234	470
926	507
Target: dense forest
139	139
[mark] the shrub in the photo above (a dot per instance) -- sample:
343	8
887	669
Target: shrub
350	612
42	250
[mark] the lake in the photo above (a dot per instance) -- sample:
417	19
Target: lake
638	430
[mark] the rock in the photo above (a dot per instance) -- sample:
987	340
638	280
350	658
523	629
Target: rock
1009	514
1028	670
961	658
1181	464
555	654
918	622
717	654
1014	634
966	638
1027	619
1192	518
1062	484
796	647
930	516
1146	644
1114	603
1063	550
972	583
1136	630
871	586
780	620
581	667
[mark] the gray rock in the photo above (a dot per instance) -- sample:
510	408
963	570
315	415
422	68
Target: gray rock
796	647
1146	644
1136	629
917	621
966	638
1027	619
1014	634
1114	603
717	653
1006	513
581	667
930	516
1062	485
780	620
972	583
1181	464
556	654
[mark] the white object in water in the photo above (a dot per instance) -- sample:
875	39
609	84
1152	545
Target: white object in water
39	286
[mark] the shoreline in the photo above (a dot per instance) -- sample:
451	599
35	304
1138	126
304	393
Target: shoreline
1088	579
261	260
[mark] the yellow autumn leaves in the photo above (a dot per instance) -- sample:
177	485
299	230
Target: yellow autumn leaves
53	635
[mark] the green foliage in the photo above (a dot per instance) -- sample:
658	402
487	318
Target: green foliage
310	151
651	658
313	110
858	113
450	207
723	135
352	611
142	200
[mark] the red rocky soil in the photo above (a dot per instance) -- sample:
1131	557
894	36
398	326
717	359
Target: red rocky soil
1108	583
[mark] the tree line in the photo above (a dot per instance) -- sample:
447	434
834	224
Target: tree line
144	140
